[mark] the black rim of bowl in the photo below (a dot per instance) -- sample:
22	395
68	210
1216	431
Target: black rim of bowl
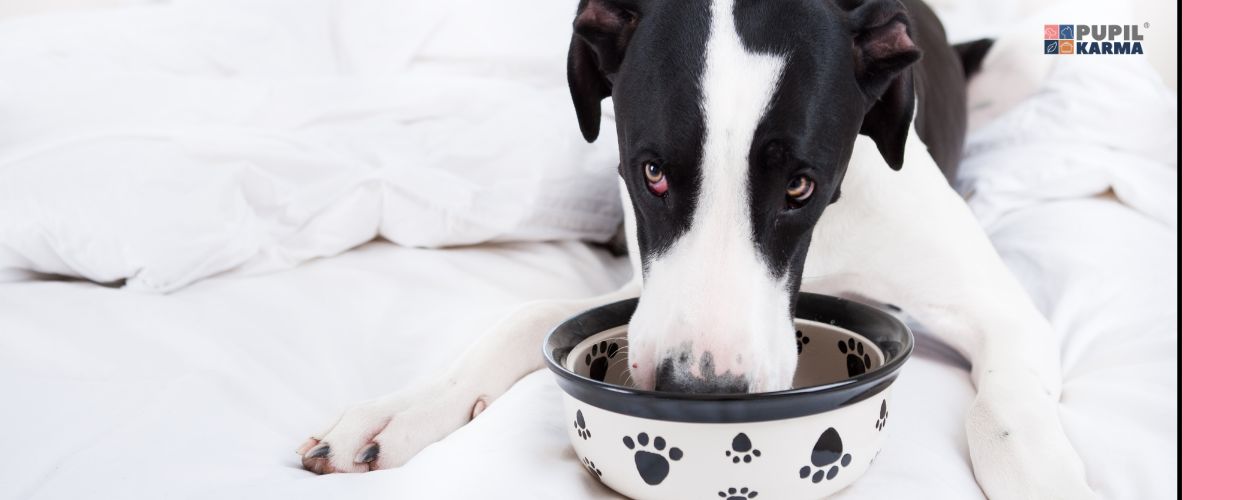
891	335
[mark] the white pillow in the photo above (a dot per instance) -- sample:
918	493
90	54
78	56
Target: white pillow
163	144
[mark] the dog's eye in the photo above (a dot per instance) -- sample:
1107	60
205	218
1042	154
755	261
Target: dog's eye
799	190
655	177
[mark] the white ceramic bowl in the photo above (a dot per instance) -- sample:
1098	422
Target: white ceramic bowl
807	442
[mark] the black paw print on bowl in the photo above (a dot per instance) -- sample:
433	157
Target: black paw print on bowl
827	451
801	340
737	494
579	423
883	415
742	449
652	461
856	358
597	361
590	467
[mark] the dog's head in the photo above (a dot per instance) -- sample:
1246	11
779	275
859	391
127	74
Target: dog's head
735	121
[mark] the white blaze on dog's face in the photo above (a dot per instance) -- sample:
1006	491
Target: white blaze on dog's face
713	316
735	122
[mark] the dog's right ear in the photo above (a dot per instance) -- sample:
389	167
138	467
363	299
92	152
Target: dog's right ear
884	49
601	32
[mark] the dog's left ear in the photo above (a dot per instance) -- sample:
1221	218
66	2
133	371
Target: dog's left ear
601	32
883	51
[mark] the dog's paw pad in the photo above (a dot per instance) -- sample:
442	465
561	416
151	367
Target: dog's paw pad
579	423
856	359
733	493
883	416
599	359
653	457
742	449
801	341
828	450
592	469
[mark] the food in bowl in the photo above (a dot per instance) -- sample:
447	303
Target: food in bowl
807	442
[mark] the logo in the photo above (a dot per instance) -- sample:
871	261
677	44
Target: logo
1090	39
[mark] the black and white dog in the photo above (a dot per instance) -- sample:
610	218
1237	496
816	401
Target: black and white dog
769	147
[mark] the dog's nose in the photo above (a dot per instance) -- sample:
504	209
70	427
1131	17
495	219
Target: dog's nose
682	374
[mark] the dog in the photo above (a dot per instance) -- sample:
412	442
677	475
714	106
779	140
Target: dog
770	147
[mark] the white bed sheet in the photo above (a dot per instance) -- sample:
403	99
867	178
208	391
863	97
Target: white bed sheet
204	393
117	394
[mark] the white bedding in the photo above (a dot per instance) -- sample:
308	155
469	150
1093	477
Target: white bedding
131	395
159	145
205	392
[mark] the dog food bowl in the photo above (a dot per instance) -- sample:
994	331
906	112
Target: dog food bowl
807	442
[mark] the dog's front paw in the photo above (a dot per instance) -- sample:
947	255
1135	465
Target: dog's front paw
1018	447
386	432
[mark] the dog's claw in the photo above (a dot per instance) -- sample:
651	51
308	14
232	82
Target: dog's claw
368	454
306	446
316	458
320	451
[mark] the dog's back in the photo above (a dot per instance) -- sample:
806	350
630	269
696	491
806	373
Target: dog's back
940	83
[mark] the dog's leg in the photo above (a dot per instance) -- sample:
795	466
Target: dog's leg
386	432
1018	447
907	239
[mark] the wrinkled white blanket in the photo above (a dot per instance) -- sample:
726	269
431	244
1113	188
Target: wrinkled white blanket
163	144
